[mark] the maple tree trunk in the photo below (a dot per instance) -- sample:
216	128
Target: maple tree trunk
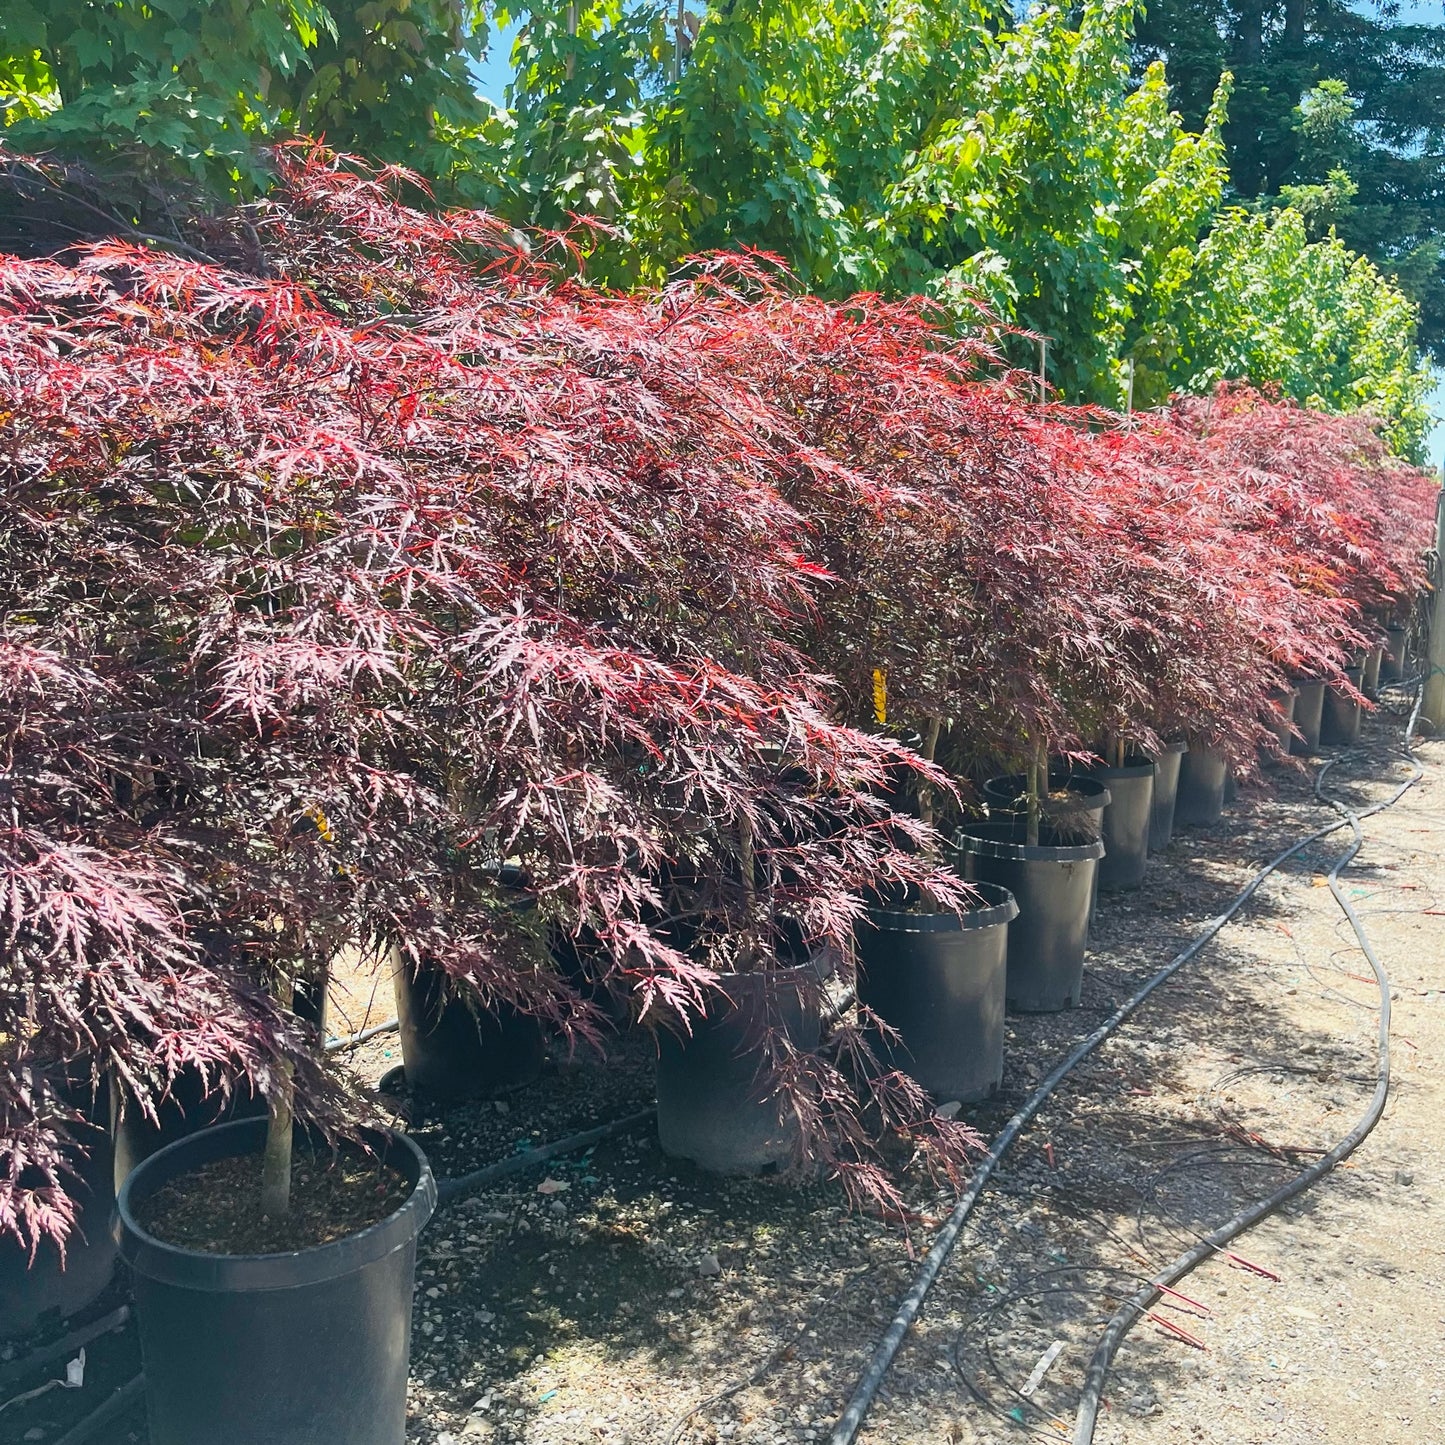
280	1130
1038	780
925	790
749	882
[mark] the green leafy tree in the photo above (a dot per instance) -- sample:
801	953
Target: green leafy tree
1319	320
174	83
903	147
1072	200
1380	124
193	87
583	138
390	79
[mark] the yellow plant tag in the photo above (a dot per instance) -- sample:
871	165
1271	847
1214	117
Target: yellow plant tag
323	825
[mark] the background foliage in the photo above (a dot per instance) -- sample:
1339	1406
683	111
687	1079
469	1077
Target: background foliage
1378	124
892	145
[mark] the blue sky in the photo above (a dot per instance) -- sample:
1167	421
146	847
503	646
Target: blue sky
1435	442
494	72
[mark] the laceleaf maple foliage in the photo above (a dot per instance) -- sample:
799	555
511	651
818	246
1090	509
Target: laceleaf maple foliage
1203	608
955	570
1030	571
334	576
313	613
1353	520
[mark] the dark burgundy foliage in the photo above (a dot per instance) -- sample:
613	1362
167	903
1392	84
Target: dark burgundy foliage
333	579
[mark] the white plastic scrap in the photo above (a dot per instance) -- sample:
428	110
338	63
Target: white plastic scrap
1042	1368
74	1379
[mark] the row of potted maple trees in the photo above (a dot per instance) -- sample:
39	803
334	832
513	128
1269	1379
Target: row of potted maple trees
377	585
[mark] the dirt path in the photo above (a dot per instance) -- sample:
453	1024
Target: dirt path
1347	1346
1264	1047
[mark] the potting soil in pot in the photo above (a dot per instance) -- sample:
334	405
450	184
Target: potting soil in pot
1074	810
217	1208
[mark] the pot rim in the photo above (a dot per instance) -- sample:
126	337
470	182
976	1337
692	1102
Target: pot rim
1170	747
1106	772
817	968
1029	852
209	1272
1092	791
999	907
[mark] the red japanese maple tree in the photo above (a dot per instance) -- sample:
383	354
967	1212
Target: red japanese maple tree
318	607
383	550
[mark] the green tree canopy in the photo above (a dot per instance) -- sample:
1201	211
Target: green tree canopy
1384	126
905	146
1314	317
196	86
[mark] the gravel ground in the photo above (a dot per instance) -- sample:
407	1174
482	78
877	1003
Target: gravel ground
633	1299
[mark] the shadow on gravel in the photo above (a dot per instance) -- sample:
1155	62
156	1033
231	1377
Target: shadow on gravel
591	1312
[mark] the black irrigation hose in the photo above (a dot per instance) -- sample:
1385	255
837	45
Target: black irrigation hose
13	1371
350	1041
449	1189
851	1420
1132	1309
120	1402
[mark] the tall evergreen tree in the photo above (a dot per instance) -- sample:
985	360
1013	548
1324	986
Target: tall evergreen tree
1366	157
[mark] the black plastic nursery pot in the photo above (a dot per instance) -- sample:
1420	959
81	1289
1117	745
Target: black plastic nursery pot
1309	705
1202	777
1053	884
940	980
1392	665
1340	721
452	1048
41	1291
1370	680
1126	824
1280	720
1077	818
300	1348
1166	791
714	1105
